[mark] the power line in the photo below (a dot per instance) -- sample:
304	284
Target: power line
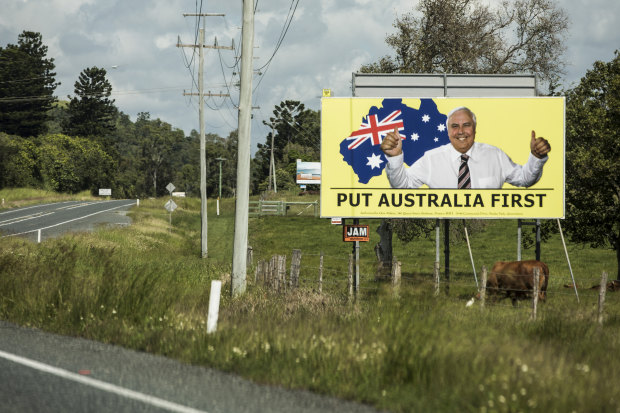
287	24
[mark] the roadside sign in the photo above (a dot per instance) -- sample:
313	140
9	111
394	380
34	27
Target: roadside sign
178	194
336	221
170	205
105	192
355	233
170	187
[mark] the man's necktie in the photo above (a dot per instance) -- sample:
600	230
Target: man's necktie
464	178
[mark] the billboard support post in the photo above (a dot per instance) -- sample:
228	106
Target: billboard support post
519	231
538	240
356	252
446	252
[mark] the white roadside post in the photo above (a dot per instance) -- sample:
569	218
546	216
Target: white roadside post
214	306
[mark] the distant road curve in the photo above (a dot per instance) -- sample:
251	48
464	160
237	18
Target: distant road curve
58	218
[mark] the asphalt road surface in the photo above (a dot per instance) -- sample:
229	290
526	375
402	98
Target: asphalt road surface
57	218
42	372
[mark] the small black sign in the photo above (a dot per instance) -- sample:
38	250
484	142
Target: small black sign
355	233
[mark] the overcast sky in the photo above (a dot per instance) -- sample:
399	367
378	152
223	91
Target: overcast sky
327	40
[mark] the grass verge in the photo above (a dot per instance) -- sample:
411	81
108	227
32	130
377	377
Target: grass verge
145	287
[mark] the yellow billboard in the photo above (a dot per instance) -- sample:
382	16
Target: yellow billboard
403	158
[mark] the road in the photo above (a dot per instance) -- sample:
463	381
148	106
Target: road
57	218
42	372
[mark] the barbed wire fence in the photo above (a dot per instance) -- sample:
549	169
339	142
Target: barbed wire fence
320	272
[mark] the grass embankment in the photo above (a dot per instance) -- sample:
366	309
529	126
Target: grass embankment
20	197
146	288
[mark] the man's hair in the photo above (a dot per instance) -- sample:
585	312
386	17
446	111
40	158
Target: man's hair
466	109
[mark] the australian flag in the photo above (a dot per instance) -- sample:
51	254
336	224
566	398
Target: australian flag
420	129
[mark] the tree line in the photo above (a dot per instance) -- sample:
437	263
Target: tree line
86	143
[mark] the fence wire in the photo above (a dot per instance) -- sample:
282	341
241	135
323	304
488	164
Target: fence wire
461	282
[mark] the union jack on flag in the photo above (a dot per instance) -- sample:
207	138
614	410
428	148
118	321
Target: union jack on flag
375	130
420	129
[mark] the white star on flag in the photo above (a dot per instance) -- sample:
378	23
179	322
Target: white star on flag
441	127
426	118
415	137
436	139
374	161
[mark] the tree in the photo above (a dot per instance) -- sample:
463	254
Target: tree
27	86
593	158
157	140
292	126
91	112
72	164
18	162
465	36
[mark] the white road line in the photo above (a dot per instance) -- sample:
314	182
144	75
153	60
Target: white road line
30	207
71	220
18	220
83	204
101	385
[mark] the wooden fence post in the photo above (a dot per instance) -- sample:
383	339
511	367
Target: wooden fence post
350	275
273	271
265	272
250	257
295	268
396	273
535	292
321	273
601	297
282	273
436	276
483	288
257	271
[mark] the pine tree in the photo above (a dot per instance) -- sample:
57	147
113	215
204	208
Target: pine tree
27	85
91	113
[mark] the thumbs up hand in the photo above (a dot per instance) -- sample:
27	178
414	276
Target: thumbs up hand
392	144
539	146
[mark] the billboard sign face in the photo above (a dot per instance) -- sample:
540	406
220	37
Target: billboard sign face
308	172
507	180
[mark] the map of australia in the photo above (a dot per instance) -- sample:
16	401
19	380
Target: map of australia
420	129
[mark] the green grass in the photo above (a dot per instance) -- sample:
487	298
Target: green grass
146	287
20	197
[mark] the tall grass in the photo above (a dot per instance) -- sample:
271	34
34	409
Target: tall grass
20	197
146	287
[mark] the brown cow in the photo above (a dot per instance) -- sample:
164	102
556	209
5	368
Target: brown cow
515	279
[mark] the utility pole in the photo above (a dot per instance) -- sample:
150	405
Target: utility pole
272	165
203	151
240	244
203	160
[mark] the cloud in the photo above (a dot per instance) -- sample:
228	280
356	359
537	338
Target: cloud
326	41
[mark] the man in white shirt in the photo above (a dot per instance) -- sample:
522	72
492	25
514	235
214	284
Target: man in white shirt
463	163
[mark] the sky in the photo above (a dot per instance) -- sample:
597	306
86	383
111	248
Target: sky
325	42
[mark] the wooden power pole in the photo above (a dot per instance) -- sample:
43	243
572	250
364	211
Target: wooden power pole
203	160
240	245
